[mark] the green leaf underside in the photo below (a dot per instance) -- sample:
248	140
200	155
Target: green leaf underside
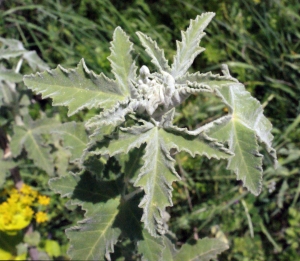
95	236
204	250
240	129
76	88
188	48
150	247
29	137
157	54
121	60
74	138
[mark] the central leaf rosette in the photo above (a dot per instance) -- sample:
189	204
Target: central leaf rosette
156	90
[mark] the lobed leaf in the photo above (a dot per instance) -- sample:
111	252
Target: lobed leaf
125	141
240	129
246	162
169	252
74	138
6	165
157	54
188	48
10	75
208	80
34	61
121	61
94	237
29	136
204	250
76	88
190	141
156	177
150	248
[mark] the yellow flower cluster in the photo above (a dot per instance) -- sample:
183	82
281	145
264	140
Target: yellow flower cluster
16	212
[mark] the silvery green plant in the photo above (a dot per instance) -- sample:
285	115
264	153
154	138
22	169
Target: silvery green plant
135	125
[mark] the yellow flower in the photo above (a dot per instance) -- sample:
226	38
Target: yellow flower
14	215
25	189
41	217
34	193
43	200
26	200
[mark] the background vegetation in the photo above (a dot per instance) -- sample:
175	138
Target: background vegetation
259	40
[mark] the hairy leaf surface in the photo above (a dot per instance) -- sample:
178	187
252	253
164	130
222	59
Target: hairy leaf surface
156	178
77	88
191	141
95	236
6	165
157	54
208	80
150	247
169	252
188	48
240	128
10	75
30	137
204	250
156	175
121	60
74	138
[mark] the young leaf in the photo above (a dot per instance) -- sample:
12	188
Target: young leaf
29	136
121	60
104	123
188	48
156	178
207	80
77	88
74	138
125	141
157	55
191	141
204	250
